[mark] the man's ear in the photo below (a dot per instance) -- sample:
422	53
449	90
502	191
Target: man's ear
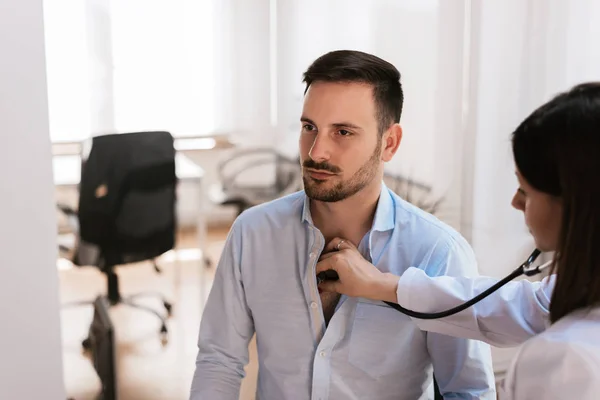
391	142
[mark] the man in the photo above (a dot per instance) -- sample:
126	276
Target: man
315	345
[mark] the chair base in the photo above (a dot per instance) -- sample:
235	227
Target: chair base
86	343
114	298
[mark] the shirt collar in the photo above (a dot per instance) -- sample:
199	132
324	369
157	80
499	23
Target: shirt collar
384	213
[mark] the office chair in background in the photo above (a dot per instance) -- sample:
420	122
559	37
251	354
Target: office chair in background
126	211
414	192
243	167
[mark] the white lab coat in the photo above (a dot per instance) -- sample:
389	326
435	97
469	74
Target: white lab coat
559	361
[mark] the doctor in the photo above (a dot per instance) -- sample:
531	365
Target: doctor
557	156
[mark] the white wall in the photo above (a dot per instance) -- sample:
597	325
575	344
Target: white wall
30	342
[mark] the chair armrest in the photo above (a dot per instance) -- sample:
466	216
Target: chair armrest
65	209
72	216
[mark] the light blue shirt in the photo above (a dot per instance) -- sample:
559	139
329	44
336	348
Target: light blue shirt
265	284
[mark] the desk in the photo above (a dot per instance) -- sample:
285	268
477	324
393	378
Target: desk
223	140
67	169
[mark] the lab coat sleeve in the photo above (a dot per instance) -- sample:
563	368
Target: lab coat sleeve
462	367
225	330
550	369
507	317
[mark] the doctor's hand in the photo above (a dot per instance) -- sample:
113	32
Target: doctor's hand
357	276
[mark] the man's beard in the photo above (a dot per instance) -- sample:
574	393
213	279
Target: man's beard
318	190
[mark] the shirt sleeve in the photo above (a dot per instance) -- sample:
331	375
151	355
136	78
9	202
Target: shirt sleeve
550	369
508	317
462	367
225	330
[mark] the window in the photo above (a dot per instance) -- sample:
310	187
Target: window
129	65
163	58
67	70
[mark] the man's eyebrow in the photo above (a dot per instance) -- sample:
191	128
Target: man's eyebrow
346	125
335	125
306	119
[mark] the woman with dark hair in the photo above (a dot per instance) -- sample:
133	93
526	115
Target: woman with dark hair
557	156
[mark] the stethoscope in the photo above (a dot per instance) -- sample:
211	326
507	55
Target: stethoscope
523	269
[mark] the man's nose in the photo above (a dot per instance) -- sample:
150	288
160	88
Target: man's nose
320	149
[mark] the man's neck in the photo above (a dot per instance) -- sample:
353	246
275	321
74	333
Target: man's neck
350	218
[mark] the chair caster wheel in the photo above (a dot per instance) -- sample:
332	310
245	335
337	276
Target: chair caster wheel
86	344
169	308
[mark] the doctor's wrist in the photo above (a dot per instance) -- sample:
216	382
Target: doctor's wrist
386	288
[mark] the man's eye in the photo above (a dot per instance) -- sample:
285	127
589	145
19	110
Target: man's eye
521	191
344	132
308	127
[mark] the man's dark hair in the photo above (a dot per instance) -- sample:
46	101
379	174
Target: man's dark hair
360	67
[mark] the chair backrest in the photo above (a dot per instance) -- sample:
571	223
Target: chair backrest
288	174
127	196
236	175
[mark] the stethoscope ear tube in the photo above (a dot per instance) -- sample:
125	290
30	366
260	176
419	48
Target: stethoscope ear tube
523	269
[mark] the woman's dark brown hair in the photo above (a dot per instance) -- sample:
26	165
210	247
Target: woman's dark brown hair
557	150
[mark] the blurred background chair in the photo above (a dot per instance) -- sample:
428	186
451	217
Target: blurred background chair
244	182
414	192
126	212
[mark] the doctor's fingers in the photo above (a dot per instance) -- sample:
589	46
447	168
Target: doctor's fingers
338	260
329	262
344	253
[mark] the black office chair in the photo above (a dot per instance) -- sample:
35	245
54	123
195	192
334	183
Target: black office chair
126	212
235	174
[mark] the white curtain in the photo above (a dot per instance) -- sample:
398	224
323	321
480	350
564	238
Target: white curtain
522	54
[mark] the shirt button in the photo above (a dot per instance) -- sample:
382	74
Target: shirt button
313	305
322	354
313	254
